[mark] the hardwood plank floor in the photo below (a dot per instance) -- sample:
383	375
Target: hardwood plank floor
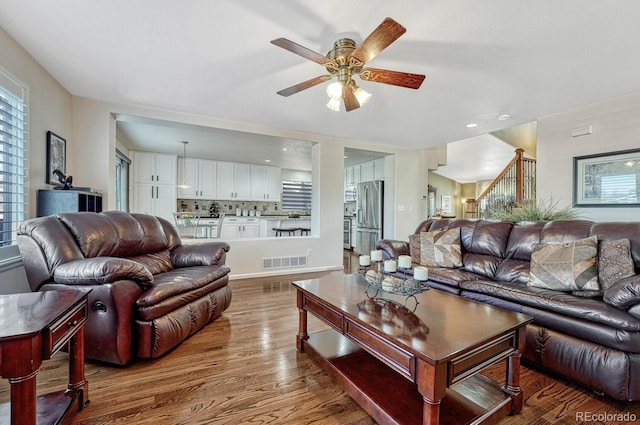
244	369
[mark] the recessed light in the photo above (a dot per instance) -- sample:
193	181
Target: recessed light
503	117
285	149
472	125
267	160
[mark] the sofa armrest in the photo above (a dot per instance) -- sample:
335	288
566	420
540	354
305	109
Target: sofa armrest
200	254
624	293
392	248
101	270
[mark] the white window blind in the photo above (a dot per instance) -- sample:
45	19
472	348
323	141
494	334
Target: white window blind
13	162
296	195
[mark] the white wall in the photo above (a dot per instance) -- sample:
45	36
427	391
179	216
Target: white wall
49	110
94	126
616	126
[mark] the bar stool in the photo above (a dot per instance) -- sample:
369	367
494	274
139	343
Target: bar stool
304	231
288	230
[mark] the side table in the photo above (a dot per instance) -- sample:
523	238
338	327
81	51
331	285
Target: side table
33	327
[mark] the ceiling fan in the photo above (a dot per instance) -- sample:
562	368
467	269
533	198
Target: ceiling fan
346	60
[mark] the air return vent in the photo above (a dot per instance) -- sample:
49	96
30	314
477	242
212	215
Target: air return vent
284	262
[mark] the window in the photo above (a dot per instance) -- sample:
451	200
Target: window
296	195
122	181
13	156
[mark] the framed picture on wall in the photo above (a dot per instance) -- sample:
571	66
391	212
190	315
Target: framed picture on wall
607	180
56	157
446	204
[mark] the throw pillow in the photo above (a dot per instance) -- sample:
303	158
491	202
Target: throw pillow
614	262
414	248
565	266
441	248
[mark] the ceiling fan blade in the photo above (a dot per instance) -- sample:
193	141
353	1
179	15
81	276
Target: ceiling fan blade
402	79
300	50
304	85
349	97
386	33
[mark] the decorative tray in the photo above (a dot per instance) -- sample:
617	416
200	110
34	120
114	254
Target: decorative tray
395	285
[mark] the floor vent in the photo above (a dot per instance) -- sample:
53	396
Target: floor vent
284	262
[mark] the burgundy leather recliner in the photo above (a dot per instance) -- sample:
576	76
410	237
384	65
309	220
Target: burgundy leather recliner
149	292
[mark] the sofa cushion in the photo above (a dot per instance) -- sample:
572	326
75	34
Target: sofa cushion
178	288
490	238
156	263
614	261
451	277
102	270
441	248
414	248
624	293
567	266
563	303
95	234
180	281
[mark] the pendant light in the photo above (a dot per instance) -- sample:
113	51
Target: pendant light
184	184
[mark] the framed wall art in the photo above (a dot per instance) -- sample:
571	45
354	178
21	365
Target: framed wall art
446	204
607	180
56	157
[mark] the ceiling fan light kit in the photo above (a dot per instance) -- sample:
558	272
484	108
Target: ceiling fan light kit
346	60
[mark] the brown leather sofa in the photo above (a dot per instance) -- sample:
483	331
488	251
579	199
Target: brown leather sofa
148	291
593	341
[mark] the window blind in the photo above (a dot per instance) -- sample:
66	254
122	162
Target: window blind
13	162
296	195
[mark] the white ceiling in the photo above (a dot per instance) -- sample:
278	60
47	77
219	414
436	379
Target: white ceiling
476	159
482	58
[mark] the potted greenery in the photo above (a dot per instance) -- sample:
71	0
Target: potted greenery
540	211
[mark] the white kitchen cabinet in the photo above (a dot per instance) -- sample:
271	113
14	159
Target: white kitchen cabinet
240	227
378	169
149	167
266	183
348	177
196	178
233	181
154	199
154	186
367	171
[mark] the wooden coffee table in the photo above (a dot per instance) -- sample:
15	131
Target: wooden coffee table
409	367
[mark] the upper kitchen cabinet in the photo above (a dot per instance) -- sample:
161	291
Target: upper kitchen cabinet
233	181
378	169
156	168
266	183
196	178
367	171
154	185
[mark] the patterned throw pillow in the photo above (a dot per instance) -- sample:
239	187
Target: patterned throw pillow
414	248
441	248
565	266
614	262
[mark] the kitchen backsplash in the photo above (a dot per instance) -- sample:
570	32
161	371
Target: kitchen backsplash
229	207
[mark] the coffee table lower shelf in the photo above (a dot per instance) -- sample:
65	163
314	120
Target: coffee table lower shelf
392	399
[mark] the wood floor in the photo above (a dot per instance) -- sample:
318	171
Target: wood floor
244	369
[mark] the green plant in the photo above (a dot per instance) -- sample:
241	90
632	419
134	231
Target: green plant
540	211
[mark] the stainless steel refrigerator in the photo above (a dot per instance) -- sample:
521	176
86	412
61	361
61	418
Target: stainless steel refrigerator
369	214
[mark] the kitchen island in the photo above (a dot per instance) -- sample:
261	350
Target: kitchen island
240	227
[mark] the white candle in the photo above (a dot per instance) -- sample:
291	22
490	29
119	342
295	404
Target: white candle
404	261
390	266
421	273
376	255
365	260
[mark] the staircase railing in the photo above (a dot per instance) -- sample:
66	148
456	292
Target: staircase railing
515	186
